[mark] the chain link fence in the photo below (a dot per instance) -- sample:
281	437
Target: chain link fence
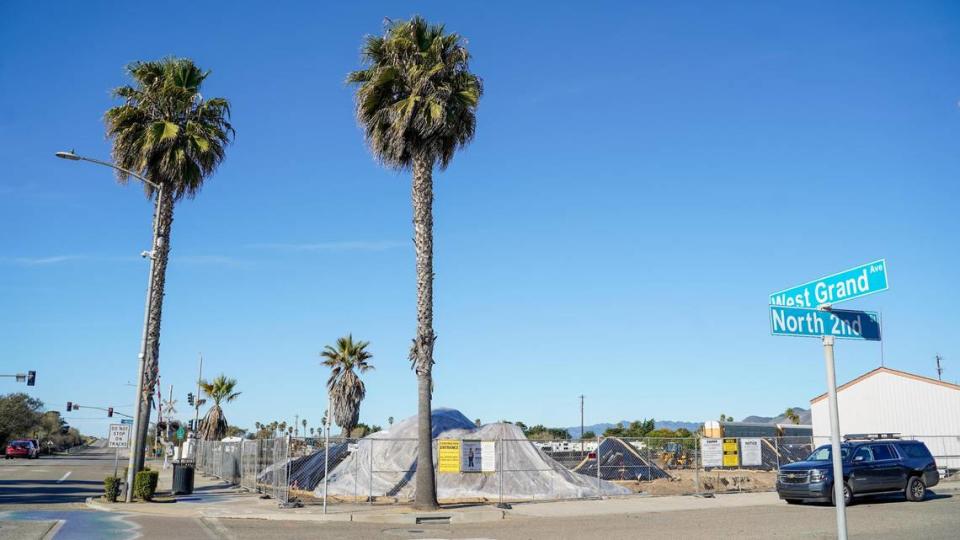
376	470
260	465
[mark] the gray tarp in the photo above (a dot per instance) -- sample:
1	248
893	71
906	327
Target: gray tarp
527	472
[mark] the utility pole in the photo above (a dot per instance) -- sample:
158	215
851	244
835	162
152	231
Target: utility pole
581	423
169	411
939	368
196	400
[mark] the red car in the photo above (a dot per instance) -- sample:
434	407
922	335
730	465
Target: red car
22	448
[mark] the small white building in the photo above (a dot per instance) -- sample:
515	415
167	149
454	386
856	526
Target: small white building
891	401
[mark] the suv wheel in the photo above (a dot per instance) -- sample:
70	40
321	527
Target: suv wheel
916	489
847	495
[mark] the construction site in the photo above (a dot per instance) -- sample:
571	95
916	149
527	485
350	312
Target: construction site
497	463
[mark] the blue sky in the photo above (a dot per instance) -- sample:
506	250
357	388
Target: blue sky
643	177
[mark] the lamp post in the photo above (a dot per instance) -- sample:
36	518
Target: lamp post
137	447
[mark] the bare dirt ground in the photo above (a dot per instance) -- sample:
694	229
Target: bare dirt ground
683	482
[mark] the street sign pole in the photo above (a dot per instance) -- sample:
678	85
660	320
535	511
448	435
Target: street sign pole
838	498
805	311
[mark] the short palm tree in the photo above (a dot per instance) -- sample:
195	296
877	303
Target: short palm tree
346	360
792	416
220	390
166	131
416	102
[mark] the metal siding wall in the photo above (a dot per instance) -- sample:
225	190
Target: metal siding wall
891	403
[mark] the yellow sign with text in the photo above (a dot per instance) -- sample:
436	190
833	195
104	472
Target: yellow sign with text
731	453
448	459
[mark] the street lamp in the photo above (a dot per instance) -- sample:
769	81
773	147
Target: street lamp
137	447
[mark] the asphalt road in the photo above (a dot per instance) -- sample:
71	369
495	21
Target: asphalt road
54	480
39	499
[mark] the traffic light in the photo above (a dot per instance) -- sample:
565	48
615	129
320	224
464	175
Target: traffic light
190	398
190	424
109	412
31	378
69	406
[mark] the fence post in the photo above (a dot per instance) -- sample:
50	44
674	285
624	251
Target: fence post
597	454
285	486
776	447
696	461
326	464
646	443
500	470
371	471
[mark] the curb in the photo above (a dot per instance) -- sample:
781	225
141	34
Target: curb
390	517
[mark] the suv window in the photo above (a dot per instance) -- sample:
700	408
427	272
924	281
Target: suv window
915	450
882	451
864	454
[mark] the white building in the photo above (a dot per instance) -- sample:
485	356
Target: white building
890	401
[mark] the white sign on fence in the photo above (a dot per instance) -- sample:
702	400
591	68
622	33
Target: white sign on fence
470	456
711	452
119	436
488	456
751	452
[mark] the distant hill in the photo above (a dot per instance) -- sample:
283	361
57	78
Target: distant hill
804	415
660	424
692	426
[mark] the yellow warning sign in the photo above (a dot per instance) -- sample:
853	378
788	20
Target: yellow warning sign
731	453
448	458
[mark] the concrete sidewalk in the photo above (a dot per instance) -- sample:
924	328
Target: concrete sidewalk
213	498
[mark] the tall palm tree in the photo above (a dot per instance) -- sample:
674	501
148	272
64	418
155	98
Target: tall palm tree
304	423
416	102
220	390
346	389
166	131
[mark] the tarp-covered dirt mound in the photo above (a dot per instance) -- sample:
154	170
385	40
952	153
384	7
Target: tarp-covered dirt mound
391	455
619	460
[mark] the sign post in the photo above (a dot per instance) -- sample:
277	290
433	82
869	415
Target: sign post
838	485
806	311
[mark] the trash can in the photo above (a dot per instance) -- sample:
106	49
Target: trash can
182	478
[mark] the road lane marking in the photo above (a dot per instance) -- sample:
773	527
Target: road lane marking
65	477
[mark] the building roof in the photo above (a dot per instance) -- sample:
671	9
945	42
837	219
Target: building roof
897	372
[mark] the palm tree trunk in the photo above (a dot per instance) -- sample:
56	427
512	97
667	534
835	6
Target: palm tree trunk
421	354
161	251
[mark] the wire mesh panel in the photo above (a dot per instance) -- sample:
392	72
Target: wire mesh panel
250	464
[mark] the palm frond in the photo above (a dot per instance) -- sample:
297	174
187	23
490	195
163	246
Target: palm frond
415	95
165	130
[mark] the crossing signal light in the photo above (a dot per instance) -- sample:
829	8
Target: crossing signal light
69	406
190	398
31	378
109	412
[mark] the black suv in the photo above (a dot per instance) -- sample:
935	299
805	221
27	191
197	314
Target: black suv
871	465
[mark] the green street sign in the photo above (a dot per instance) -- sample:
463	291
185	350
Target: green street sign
181	433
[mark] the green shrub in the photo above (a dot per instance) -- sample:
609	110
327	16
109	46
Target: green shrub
111	488
145	484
